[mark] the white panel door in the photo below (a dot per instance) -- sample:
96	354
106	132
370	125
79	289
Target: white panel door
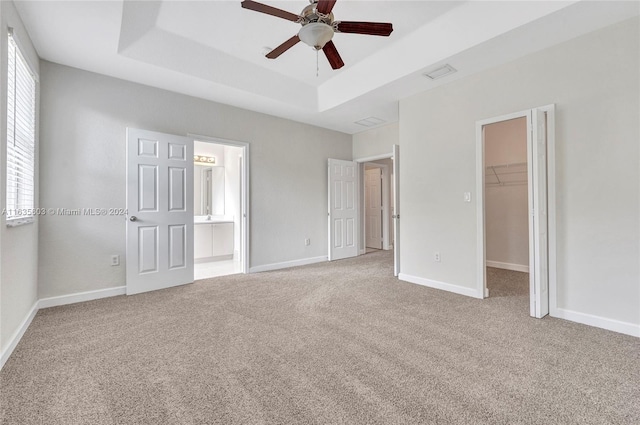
396	210
343	214
160	207
373	208
540	227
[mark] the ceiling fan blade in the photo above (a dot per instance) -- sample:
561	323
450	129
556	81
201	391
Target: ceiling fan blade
325	6
263	8
332	55
283	47
369	28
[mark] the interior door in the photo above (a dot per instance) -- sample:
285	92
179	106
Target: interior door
396	210
160	207
540	222
373	203
343	213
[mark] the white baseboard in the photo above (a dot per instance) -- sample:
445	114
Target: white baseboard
508	266
456	289
81	297
287	264
17	335
599	322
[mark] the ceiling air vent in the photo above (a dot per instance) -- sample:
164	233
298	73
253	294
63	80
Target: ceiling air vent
370	122
440	72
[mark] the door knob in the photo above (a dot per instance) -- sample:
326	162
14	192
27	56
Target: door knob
133	218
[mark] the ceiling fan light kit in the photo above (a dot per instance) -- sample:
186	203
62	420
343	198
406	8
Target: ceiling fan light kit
318	28
316	34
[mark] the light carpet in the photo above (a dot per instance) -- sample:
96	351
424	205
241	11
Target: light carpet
332	343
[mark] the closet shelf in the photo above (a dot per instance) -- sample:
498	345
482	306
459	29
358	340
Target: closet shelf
511	174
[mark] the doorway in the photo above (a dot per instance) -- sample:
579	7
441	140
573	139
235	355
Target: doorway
389	165
376	210
506	207
516	241
219	196
346	234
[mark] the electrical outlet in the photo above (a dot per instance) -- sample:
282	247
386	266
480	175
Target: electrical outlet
307	242
115	260
436	257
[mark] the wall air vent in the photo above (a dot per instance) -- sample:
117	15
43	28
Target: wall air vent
370	122
440	72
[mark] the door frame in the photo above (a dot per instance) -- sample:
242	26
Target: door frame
396	194
385	228
481	286
245	227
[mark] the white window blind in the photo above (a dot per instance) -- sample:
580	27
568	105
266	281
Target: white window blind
21	136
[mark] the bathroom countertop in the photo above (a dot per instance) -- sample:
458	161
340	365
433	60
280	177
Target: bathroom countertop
213	220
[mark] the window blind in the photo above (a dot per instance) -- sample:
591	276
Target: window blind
21	135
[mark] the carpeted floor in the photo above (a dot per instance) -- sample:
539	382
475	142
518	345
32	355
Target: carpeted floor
332	343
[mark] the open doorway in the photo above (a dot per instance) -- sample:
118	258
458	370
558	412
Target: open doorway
506	207
218	196
377	205
382	169
516	181
346	234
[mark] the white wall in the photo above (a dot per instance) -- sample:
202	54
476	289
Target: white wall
593	80
18	245
506	206
377	141
84	117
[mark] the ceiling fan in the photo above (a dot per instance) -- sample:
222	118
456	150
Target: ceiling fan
318	27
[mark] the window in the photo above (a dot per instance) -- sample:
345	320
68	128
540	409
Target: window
21	137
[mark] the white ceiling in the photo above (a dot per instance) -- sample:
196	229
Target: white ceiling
215	49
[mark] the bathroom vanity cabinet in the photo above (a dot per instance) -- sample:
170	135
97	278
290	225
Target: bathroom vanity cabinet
213	241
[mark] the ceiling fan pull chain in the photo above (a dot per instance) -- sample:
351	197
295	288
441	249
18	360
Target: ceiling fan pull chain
317	64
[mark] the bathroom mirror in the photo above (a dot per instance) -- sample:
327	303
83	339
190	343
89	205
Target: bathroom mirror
208	190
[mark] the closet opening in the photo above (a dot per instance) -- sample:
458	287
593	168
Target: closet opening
506	204
516	208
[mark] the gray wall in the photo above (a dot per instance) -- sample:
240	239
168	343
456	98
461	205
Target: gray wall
593	80
18	245
377	141
84	118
